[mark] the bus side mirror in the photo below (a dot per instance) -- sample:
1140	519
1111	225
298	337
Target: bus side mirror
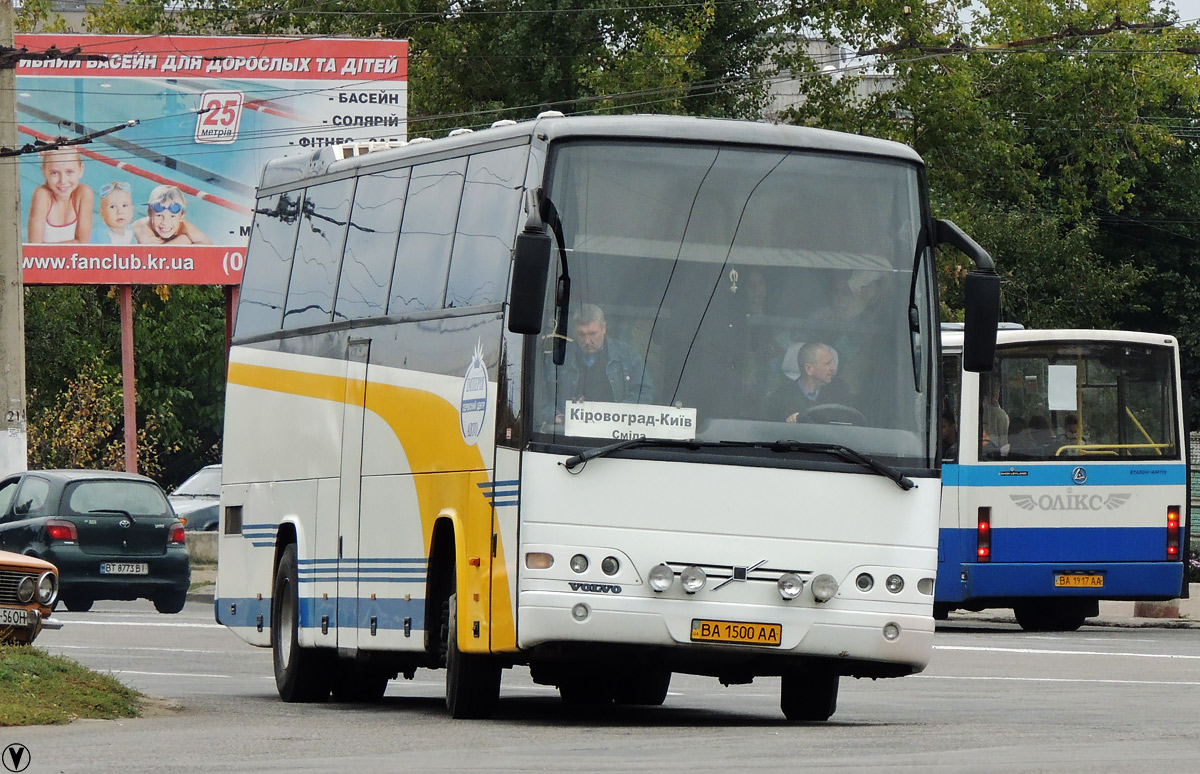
981	296
527	297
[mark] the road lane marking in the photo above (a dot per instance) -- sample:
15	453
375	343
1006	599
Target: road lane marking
72	622
166	674
122	649
1058	680
1046	652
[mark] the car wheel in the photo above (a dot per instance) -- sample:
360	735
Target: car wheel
301	674
77	603
170	602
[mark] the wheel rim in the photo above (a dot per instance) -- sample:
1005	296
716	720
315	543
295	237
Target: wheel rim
286	627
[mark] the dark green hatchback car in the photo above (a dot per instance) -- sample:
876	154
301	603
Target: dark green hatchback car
112	535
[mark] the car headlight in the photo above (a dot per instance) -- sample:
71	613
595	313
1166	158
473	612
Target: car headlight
25	590
47	588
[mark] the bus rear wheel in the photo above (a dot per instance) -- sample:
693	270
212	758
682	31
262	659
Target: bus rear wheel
644	687
301	674
806	696
472	680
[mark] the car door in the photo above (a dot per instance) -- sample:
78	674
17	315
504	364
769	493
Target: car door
8	490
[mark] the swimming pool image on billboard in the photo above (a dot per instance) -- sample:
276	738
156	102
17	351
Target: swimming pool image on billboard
217	180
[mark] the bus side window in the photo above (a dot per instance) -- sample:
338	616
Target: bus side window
323	218
487	226
426	236
371	245
272	245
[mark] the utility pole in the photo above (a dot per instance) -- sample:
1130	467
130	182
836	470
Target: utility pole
14	448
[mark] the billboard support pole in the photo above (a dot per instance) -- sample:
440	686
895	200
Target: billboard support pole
127	380
14	449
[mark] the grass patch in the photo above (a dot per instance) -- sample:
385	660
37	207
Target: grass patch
37	688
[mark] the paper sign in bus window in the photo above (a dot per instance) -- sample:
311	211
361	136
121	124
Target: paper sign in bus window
1061	392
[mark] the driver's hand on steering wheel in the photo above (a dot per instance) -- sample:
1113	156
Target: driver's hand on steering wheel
794	418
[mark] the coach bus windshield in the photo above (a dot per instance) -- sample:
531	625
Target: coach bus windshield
737	294
1061	400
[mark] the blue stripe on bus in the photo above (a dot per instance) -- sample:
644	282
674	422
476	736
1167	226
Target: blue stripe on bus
1058	544
388	613
1062	474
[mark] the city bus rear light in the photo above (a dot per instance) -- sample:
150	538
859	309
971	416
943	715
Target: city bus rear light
983	535
1173	512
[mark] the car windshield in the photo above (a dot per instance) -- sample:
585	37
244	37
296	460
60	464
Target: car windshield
735	294
205	483
134	497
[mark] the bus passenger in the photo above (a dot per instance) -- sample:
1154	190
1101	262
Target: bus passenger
601	369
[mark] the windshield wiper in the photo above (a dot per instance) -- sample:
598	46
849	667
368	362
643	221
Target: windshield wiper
571	463
833	449
848	454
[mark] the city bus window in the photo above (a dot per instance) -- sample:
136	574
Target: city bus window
426	236
323	218
272	241
371	245
487	225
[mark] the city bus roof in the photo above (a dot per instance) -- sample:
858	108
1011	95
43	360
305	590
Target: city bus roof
553	128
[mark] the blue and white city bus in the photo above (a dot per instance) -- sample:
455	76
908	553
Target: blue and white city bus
1065	475
494	401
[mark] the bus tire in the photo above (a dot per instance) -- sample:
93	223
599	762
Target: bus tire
807	696
1046	616
644	687
472	680
301	674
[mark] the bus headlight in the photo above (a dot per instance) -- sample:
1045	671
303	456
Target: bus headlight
661	577
579	563
925	586
824	587
790	585
894	584
692	579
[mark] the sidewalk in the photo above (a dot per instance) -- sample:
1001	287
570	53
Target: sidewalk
1175	614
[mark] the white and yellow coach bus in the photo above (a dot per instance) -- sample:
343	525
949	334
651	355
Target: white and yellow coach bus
607	397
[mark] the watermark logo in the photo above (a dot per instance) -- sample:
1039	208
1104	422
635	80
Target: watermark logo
16	757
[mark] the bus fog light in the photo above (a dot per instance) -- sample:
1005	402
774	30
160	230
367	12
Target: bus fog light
610	566
579	563
692	579
661	577
790	585
894	584
925	586
580	612
824	587
537	560
864	581
891	631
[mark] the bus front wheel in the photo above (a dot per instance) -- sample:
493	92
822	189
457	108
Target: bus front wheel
301	674
472	680
805	696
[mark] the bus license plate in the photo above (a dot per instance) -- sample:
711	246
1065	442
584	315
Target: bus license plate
1078	580
14	617
738	632
124	568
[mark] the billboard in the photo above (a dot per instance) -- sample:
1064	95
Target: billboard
168	198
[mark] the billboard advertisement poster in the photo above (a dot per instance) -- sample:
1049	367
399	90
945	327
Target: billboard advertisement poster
168	198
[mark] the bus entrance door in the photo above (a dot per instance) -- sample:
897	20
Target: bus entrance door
350	496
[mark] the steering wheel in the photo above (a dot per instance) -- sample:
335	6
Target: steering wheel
830	413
